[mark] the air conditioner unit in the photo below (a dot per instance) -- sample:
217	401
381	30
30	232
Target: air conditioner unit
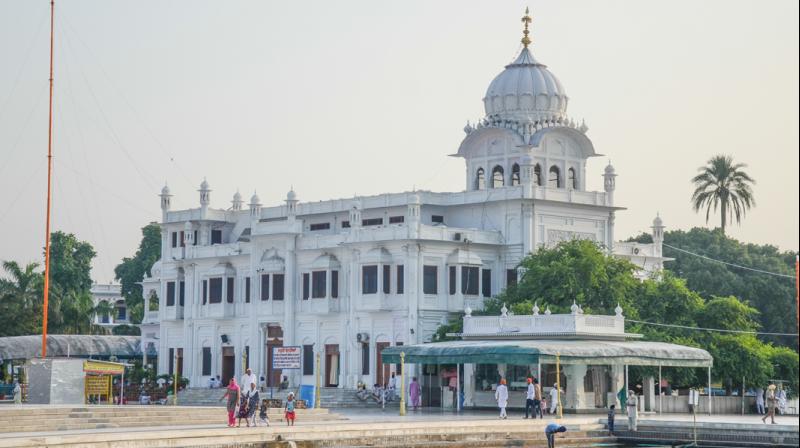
362	338
457	236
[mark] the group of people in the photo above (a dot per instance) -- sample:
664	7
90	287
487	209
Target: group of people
243	400
775	400
535	402
381	393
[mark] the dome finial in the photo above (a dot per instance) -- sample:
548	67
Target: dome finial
526	20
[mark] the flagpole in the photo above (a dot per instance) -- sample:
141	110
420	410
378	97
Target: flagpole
49	188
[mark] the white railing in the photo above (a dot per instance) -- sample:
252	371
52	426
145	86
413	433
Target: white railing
216	250
553	323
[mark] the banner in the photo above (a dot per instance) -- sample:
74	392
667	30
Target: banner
287	357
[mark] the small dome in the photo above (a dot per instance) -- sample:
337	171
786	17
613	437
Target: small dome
204	185
291	195
610	169
255	200
414	198
658	222
187	226
526	89
237	197
165	190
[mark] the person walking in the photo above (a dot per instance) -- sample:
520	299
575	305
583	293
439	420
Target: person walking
760	401
554	392
633	410
392	387
537	399
612	411
289	409
243	410
17	391
501	395
550	432
414	393
529	397
781	397
252	403
772	401
247	378
232	393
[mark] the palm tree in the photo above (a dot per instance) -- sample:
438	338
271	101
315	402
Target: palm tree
20	296
722	183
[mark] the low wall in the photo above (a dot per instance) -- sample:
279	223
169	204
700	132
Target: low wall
720	405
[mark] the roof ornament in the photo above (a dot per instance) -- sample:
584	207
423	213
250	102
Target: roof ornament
618	310
526	20
574	308
467	311
547	311
535	309
504	311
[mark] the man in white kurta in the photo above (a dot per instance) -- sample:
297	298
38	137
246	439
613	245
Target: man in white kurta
501	395
554	399
248	378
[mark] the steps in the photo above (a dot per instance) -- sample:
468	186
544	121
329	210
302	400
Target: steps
336	398
20	419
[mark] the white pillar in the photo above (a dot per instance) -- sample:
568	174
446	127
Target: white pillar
458	387
710	394
575	395
658	390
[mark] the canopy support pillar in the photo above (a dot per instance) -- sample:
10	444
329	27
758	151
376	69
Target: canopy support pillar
626	388
710	393
658	389
458	387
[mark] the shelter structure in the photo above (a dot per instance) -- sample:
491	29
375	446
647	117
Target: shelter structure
69	345
588	355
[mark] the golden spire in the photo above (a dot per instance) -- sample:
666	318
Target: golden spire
526	19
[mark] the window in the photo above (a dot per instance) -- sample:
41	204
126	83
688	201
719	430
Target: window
387	279
171	361
215	290
430	283
369	279
216	237
397	219
264	286
206	361
205	292
246	357
247	290
345	224
511	277
229	289
318	284
308	360
399	367
498	179
170	293
181	293
486	282
306	281
174	239
480	179
469	280
277	286
554	181
365	359
537	175
451	279
372	222
514	174
183	239
572	180
320	226
400	279
122	313
194	240
437	219
335	284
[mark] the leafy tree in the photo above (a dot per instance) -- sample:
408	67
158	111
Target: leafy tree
70	263
20	299
133	269
722	183
773	297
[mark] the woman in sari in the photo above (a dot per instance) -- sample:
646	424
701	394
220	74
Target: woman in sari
252	403
232	393
243	410
414	392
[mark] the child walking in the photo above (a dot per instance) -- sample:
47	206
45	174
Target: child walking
289	409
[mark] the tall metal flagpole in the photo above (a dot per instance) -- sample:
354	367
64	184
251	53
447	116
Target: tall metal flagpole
49	188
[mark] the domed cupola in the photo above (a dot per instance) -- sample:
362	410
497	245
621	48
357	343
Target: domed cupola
526	90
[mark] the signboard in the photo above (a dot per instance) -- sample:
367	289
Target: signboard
103	367
287	357
97	385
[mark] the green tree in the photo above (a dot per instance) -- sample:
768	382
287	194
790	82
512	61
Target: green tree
20	299
133	269
722	183
70	263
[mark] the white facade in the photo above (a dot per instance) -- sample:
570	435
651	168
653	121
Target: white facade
111	293
345	278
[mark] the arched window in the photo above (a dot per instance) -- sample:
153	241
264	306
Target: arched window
497	177
537	174
572	180
480	179
514	174
554	181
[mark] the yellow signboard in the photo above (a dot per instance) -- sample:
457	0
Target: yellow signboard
97	385
103	367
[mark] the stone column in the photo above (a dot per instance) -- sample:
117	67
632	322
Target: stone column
575	396
528	228
617	384
469	385
649	394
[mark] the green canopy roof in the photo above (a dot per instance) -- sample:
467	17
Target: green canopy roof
524	352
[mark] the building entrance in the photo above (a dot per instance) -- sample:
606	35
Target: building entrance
381	369
331	365
274	339
228	365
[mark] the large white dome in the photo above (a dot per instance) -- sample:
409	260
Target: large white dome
525	90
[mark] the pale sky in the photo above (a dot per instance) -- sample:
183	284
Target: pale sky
367	97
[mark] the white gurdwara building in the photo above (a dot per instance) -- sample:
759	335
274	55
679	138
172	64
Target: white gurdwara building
346	278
